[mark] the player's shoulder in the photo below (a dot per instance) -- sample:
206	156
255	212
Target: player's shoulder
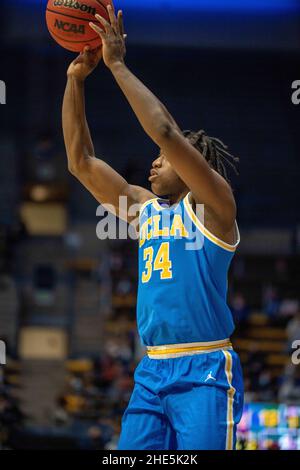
140	195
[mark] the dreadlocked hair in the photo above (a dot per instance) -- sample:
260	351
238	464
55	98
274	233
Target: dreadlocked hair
214	151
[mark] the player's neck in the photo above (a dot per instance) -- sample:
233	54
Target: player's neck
175	198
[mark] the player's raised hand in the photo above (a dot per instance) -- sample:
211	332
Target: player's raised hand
113	37
85	63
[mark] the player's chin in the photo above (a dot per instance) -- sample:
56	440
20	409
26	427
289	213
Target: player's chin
158	189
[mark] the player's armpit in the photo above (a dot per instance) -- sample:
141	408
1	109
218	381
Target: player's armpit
110	188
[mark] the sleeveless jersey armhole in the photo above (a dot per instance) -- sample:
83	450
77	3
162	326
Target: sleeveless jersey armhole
210	236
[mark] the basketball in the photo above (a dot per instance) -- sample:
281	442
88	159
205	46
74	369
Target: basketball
68	22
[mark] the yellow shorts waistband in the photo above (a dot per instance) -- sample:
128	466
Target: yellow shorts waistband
169	351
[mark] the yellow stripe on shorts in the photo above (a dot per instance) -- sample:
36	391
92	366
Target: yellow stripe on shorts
230	401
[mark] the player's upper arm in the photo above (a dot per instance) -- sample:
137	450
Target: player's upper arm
110	188
206	185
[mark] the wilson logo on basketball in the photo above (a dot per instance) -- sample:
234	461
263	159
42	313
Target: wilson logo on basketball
75	6
69	27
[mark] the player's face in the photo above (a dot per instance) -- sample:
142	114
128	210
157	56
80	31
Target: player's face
164	181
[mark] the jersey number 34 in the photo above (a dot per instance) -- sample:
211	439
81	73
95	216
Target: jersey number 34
161	262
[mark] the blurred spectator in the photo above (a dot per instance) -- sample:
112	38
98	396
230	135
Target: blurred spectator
254	366
289	307
112	443
73	241
239	308
266	386
43	153
124	286
289	391
271	301
11	416
249	394
116	261
60	416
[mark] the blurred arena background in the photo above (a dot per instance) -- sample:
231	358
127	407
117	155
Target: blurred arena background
67	299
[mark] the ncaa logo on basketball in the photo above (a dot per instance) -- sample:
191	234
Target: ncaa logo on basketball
2	92
75	6
69	27
2	353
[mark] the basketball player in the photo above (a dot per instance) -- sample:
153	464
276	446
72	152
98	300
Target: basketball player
188	390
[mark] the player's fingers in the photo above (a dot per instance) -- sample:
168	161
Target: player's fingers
112	5
98	30
121	23
112	18
105	24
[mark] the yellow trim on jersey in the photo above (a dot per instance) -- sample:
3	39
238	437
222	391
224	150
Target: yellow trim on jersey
157	205
230	400
145	204
187	348
207	233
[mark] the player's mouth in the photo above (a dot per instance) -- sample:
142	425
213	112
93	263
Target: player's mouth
153	175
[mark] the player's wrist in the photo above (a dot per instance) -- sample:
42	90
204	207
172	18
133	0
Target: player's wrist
76	78
116	65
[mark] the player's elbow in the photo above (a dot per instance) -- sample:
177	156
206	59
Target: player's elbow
76	167
73	168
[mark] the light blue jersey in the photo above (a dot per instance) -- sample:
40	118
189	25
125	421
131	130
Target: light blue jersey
183	272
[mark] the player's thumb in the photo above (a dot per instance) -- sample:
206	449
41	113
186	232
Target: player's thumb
86	52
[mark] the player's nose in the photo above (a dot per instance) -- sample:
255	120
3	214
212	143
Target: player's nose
157	163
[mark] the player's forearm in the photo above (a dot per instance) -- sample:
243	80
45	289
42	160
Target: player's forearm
88	140
76	132
151	113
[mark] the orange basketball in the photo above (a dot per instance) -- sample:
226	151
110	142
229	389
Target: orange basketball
68	22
